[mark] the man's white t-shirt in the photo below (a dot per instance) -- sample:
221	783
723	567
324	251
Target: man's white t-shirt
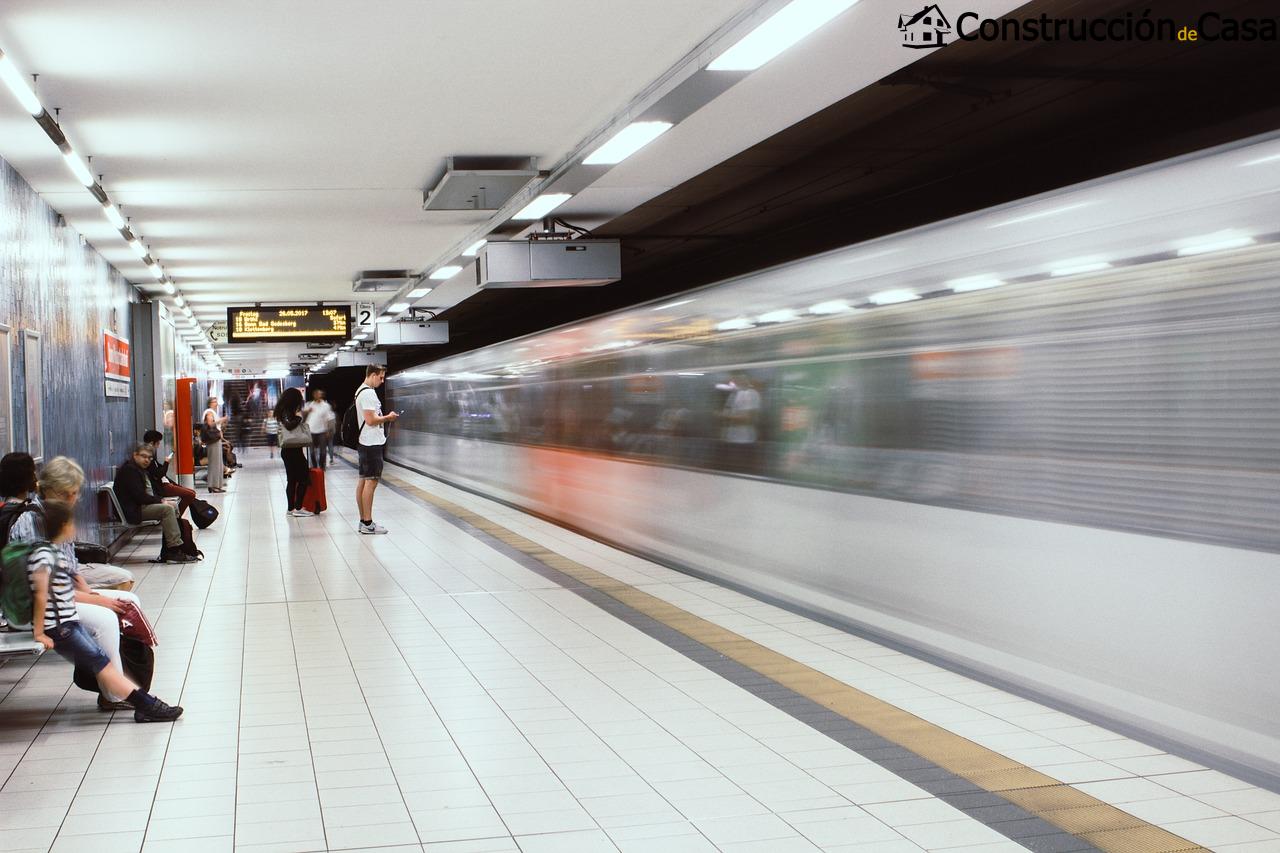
319	416
367	401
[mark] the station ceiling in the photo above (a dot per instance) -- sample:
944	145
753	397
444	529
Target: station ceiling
270	152
966	127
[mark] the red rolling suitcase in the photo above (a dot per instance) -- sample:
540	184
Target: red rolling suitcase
314	498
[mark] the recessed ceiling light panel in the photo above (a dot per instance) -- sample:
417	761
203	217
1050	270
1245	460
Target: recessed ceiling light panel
787	26
542	205
626	142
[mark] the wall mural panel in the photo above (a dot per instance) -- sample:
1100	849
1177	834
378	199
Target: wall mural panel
53	284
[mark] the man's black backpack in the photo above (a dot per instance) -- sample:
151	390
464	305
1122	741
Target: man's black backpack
352	424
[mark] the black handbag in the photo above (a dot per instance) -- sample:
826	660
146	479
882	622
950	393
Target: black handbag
92	552
139	664
209	434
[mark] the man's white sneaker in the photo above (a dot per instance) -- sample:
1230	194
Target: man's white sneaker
301	513
372	528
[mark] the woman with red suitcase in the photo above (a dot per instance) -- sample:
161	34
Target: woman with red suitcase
294	438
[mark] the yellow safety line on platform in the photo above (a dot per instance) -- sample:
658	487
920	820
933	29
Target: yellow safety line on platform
1088	818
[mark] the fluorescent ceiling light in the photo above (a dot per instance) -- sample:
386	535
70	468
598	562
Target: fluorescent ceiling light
626	142
385	318
974	282
157	272
362	337
138	249
77	166
672	305
474	249
113	215
1216	243
397	307
179	301
1077	267
419	291
21	90
736	324
691	374
542	205
1041	215
169	288
892	297
786	27
835	306
783	315
446	272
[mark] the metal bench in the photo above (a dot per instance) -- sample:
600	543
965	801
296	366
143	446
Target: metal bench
113	504
19	645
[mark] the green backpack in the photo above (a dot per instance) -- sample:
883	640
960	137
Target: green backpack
15	584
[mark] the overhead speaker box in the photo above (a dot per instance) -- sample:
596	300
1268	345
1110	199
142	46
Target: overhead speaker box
360	358
480	183
549	263
411	332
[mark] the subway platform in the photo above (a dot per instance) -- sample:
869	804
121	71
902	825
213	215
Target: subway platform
481	681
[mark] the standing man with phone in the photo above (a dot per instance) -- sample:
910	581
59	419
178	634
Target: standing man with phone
371	444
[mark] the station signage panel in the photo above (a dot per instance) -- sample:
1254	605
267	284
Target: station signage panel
366	317
115	357
288	323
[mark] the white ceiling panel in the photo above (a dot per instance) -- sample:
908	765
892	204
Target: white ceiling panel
274	150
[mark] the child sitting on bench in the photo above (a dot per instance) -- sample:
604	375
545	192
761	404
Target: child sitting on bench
56	625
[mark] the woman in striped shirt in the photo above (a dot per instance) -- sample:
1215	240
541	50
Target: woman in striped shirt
56	625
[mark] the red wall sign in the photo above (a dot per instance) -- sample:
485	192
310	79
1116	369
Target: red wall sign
115	351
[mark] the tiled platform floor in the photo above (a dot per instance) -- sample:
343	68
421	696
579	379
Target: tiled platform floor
423	691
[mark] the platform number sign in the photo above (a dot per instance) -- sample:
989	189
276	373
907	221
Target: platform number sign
365	316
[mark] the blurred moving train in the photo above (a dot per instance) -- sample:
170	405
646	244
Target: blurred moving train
1041	442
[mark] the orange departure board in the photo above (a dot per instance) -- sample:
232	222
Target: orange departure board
288	323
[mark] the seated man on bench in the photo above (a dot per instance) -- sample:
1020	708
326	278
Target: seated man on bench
141	503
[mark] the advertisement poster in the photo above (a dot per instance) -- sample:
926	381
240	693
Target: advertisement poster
116	358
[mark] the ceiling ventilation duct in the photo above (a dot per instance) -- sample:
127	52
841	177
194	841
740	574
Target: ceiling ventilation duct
380	281
480	183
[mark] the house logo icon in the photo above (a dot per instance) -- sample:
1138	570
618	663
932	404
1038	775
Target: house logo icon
925	29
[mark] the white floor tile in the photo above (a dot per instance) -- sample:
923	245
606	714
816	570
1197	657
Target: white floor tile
423	692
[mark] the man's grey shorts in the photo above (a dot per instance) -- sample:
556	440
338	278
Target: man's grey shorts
371	461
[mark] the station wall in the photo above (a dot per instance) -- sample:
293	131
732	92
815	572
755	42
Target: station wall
55	285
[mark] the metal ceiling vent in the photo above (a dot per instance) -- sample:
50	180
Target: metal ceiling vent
480	183
378	281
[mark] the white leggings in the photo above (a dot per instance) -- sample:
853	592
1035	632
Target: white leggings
103	624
